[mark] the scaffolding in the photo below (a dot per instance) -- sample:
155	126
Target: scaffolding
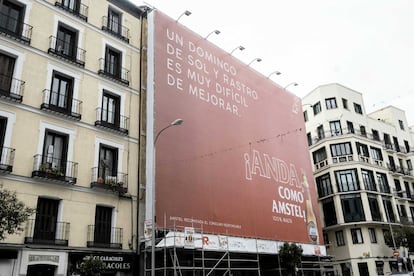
173	257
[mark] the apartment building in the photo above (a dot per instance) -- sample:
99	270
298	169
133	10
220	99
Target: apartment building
69	132
363	170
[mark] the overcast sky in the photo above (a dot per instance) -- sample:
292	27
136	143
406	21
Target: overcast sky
366	45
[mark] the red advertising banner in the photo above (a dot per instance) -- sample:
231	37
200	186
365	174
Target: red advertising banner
239	163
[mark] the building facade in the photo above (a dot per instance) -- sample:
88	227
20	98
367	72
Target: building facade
363	170
69	127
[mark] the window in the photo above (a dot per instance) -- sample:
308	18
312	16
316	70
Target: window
352	208
396	144
55	152
407	146
402	212
358	108
108	162
309	138
320	132
374	208
357	238
61	92
6	73
389	211
347	180
305	115
362	149
350	127
340	241
383	183
363	131
345	103
110	109
376	154
319	155
317	108
387	141
330	103
363	269
11	18
324	185
103	225
401	123
368	179
66	41
335	128
407	189
326	239
329	213
380	267
341	152
46	219
409	165
375	135
113	62
398	188
114	21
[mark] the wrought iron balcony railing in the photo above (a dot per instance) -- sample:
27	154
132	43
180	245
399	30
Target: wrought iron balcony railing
112	120
16	29
6	159
113	71
104	237
43	231
115	28
67	51
48	167
117	182
74	7
11	88
62	104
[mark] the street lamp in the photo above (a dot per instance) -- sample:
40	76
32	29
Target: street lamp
217	32
256	59
176	122
274	72
241	48
187	13
292	83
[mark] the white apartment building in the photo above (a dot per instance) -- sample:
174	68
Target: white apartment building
364	176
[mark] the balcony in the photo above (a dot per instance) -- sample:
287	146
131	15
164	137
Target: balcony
43	231
11	88
115	29
74	7
44	167
66	51
340	133
6	160
114	72
103	237
117	183
62	105
15	29
112	121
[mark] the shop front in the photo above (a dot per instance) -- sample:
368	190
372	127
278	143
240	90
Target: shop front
113	264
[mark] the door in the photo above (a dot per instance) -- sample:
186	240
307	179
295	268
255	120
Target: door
46	218
110	109
113	62
103	219
108	162
11	18
66	42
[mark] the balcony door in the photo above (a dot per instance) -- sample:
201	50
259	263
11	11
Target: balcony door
73	5
6	73
113	62
11	17
66	42
110	109
46	218
108	162
114	21
55	151
103	224
61	92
